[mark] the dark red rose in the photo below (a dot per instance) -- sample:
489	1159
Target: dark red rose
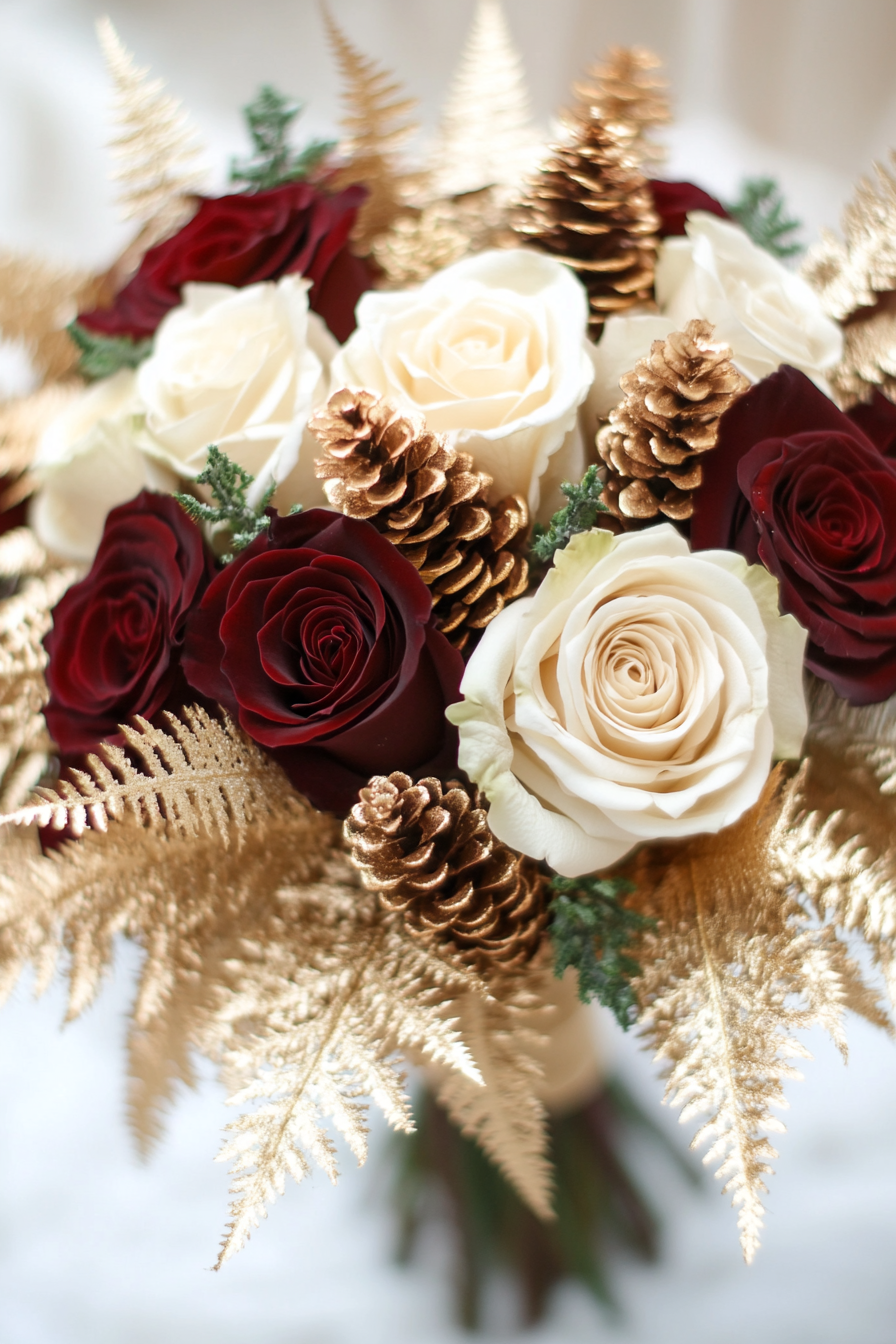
877	420
240	240
794	483
319	638
115	643
675	200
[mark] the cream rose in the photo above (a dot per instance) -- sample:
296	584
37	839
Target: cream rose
88	463
641	693
768	315
243	369
492	352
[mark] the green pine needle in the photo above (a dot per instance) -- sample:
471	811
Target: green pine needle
274	161
590	930
761	212
579	515
228	483
101	356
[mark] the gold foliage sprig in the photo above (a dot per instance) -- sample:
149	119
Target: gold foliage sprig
25	618
202	774
840	848
156	147
317	1014
734	969
377	123
37	301
506	1117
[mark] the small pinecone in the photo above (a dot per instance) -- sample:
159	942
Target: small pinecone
668	417
591	205
430	502
428	852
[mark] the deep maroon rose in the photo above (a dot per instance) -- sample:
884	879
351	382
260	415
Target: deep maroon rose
116	639
675	200
240	240
877	421
794	483
319	638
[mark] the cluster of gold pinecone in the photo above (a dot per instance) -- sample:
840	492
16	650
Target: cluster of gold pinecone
428	851
431	503
668	417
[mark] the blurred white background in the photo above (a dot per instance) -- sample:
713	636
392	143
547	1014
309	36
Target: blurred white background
96	1248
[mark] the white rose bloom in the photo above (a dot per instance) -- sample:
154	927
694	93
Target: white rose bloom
768	315
243	369
492	352
88	463
641	693
624	340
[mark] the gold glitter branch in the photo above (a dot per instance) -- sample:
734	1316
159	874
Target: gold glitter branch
733	971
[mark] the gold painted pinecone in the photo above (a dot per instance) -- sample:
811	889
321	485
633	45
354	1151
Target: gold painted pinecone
624	87
428	852
591	206
430	502
668	417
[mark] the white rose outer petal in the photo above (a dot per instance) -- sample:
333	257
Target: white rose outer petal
88	464
238	368
768	315
696	686
492	351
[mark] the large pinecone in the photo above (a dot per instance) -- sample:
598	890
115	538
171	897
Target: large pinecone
624	88
591	205
668	417
429	853
430	502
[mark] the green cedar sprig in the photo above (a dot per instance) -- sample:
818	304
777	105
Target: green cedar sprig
229	484
100	356
590	930
761	211
579	515
274	161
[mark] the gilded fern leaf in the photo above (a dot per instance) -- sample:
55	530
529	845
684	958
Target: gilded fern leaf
201	774
376	125
505	1117
157	148
25	617
840	848
315	1016
733	971
37	299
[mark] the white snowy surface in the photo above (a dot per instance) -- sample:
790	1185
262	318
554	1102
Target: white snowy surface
97	1247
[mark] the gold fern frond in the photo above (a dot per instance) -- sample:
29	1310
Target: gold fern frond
840	848
735	968
22	422
37	301
486	135
25	617
506	1117
376	122
201	774
157	147
312	1025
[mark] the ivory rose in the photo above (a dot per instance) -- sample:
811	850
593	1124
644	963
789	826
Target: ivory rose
88	463
243	369
492	351
768	315
640	694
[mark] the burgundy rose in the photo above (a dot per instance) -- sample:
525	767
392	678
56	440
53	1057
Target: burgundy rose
675	200
115	643
319	638
794	483
240	240
877	420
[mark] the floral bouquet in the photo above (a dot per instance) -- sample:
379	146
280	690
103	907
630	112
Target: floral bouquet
439	579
